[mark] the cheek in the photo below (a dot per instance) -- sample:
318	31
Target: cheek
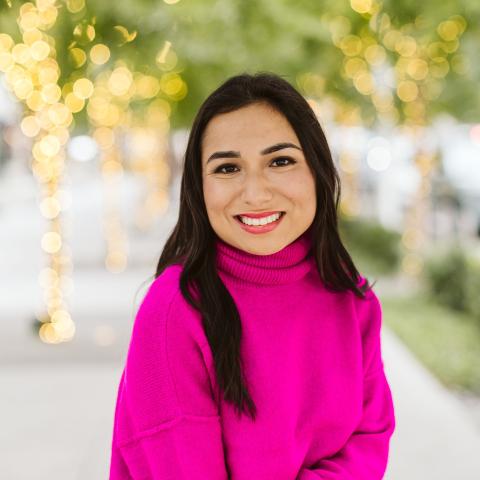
300	188
216	194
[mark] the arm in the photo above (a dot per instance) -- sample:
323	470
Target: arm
365	454
118	468
166	423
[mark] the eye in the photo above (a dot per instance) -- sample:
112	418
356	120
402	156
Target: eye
221	167
290	160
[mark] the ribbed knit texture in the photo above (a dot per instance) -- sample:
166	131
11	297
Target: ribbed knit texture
312	364
285	266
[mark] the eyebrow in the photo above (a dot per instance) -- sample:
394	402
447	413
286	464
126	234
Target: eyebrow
265	151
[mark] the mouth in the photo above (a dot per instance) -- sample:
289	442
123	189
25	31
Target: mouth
237	217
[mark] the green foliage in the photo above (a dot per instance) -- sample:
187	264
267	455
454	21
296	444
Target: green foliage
445	341
215	39
446	275
453	279
472	288
375	248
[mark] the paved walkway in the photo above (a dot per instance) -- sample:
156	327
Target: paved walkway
56	421
56	404
436	436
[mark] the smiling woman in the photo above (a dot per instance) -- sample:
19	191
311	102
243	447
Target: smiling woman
255	353
270	175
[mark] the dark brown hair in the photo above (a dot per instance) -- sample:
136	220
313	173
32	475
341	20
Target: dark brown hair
191	242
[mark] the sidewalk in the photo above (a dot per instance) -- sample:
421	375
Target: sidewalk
436	437
56	421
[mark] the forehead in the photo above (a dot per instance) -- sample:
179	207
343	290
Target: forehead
258	124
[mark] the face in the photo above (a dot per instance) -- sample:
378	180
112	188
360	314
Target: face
248	168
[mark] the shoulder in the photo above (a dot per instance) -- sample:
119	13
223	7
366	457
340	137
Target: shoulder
370	321
160	294
165	287
370	297
368	310
150	317
164	314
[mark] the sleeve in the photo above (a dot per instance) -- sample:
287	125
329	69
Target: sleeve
166	423
364	456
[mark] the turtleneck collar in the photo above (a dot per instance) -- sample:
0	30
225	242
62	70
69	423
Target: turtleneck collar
285	266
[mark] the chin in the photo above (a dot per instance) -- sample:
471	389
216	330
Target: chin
268	249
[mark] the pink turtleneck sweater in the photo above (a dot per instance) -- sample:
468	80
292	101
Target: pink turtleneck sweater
312	359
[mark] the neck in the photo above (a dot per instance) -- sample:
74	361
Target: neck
285	266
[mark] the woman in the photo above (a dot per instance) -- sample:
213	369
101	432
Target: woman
255	354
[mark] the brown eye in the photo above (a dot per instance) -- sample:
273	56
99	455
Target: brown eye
224	168
290	160
221	167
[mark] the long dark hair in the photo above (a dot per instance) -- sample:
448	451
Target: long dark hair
191	242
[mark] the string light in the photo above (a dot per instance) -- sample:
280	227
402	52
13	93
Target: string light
419	73
32	73
350	199
108	112
148	150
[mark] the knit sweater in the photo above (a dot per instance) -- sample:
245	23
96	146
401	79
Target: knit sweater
313	367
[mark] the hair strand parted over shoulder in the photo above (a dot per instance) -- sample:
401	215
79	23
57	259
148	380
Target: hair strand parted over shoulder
191	242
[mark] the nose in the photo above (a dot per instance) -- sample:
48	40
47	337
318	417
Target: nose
256	190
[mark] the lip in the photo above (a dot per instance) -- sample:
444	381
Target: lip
259	215
260	228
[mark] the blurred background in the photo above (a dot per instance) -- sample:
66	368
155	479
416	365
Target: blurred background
96	101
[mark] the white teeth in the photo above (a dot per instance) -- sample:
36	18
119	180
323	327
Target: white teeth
260	221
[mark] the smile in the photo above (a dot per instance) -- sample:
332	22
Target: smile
260	225
259	220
